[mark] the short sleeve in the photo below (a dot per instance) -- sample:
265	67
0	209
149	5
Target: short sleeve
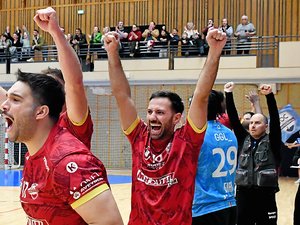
83	130
192	134
137	128
78	178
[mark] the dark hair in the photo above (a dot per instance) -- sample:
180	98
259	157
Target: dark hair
214	107
176	101
36	30
45	90
80	31
55	73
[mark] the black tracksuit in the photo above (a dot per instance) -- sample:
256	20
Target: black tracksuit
256	204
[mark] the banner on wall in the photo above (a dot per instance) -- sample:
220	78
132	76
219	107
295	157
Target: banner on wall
289	122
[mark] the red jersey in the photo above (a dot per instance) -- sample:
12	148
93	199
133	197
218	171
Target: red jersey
83	131
60	177
163	177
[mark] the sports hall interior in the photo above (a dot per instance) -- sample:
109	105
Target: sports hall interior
273	59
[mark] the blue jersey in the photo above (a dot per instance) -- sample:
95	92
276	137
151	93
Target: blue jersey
214	186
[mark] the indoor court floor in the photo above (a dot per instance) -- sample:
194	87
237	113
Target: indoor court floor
11	212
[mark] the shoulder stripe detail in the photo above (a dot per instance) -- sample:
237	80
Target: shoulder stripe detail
89	196
78	124
196	129
132	126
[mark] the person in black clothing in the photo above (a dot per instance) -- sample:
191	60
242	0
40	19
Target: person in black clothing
258	160
80	44
296	162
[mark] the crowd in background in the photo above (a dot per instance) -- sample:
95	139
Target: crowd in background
21	46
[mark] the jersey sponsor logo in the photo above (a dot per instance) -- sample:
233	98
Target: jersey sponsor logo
221	137
87	185
90	182
166	180
32	221
228	187
156	161
33	191
71	167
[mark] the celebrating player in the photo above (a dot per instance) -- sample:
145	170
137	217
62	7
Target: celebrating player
164	160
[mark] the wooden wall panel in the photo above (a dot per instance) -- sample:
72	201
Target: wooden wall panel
271	17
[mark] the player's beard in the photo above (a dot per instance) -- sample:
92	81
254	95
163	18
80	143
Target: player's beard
165	131
22	129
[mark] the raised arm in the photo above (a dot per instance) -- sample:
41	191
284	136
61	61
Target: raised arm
76	101
238	128
253	98
275	130
198	110
118	81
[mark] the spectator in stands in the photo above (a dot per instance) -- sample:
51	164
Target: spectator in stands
5	44
95	38
210	24
25	45
163	39
190	30
15	48
18	32
80	44
24	28
151	34
2	43
70	39
121	31
195	43
163	28
134	37
95	42
229	32
186	42
105	31
174	40
37	45
174	37
7	32
198	42
5	41
244	32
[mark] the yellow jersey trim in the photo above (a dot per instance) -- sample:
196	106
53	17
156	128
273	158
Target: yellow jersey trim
78	124
196	129
132	126
90	195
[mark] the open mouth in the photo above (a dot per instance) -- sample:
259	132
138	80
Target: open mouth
9	122
155	128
